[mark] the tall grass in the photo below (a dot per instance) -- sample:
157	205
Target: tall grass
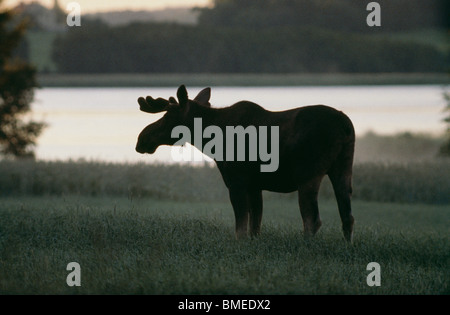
402	147
418	182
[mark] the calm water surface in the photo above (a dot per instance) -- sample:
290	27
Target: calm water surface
103	123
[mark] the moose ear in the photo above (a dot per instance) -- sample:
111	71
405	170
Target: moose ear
182	95
203	97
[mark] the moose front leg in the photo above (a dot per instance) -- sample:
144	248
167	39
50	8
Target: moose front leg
240	203
256	210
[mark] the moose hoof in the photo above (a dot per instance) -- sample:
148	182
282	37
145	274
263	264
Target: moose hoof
348	235
241	235
311	229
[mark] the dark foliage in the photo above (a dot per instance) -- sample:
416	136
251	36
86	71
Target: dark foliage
262	36
342	15
17	81
185	49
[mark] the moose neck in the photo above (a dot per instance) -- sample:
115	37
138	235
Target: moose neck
210	116
202	118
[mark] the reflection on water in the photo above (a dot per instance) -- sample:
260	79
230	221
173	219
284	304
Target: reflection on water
103	123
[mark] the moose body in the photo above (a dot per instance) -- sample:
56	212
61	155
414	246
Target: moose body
314	141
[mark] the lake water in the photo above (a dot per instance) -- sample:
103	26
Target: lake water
103	123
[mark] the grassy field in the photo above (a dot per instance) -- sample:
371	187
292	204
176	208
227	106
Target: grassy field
150	246
169	229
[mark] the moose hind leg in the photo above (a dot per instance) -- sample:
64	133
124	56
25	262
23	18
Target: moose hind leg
309	208
256	210
239	201
342	185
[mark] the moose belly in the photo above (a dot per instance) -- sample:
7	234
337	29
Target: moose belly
281	182
284	180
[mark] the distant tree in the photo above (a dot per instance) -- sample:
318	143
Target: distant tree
17	83
445	148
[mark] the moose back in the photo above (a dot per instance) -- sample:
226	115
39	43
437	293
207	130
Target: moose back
306	143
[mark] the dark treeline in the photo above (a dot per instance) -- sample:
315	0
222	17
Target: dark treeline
343	15
262	36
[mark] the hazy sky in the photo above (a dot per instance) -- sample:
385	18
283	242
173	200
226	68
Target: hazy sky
113	5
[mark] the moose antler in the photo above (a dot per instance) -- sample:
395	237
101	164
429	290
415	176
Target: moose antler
150	105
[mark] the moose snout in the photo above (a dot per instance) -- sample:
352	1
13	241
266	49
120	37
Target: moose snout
140	148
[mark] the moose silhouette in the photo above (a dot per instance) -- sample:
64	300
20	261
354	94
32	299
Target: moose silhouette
313	141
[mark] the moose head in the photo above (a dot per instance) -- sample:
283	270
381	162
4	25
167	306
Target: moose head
177	113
